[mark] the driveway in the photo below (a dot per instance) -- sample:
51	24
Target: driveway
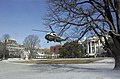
97	70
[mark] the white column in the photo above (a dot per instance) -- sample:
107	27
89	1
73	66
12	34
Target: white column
91	47
98	42
87	47
98	46
95	47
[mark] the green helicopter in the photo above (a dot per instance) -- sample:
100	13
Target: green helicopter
52	36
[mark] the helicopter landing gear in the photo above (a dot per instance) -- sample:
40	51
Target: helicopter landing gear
54	40
47	41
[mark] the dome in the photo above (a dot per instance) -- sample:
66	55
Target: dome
12	39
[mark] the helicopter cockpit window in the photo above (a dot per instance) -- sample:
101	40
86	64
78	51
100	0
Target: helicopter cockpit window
53	34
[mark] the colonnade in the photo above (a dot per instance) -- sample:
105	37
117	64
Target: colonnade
93	46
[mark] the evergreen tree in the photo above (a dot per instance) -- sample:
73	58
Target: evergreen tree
71	50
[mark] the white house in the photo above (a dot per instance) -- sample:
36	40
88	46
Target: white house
93	46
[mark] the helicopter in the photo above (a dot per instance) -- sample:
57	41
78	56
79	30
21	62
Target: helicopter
52	36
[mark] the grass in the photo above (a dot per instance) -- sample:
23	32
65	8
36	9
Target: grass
61	61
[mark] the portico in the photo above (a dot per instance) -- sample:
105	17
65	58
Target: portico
93	46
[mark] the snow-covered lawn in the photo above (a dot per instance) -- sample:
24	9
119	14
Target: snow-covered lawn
102	69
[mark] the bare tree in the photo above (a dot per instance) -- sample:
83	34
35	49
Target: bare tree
5	50
1	50
101	17
31	43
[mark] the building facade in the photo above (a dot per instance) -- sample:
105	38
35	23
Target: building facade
15	50
93	46
55	49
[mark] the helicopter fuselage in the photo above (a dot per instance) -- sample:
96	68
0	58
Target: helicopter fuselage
53	37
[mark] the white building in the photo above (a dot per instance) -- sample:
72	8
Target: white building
93	46
14	48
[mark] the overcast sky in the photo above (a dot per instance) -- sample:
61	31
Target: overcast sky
19	17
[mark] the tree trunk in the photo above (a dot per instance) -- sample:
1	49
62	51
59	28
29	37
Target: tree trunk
116	55
31	54
115	48
116	39
117	63
118	14
117	58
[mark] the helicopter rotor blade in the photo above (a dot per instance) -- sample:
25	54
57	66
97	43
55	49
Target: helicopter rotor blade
40	30
51	29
